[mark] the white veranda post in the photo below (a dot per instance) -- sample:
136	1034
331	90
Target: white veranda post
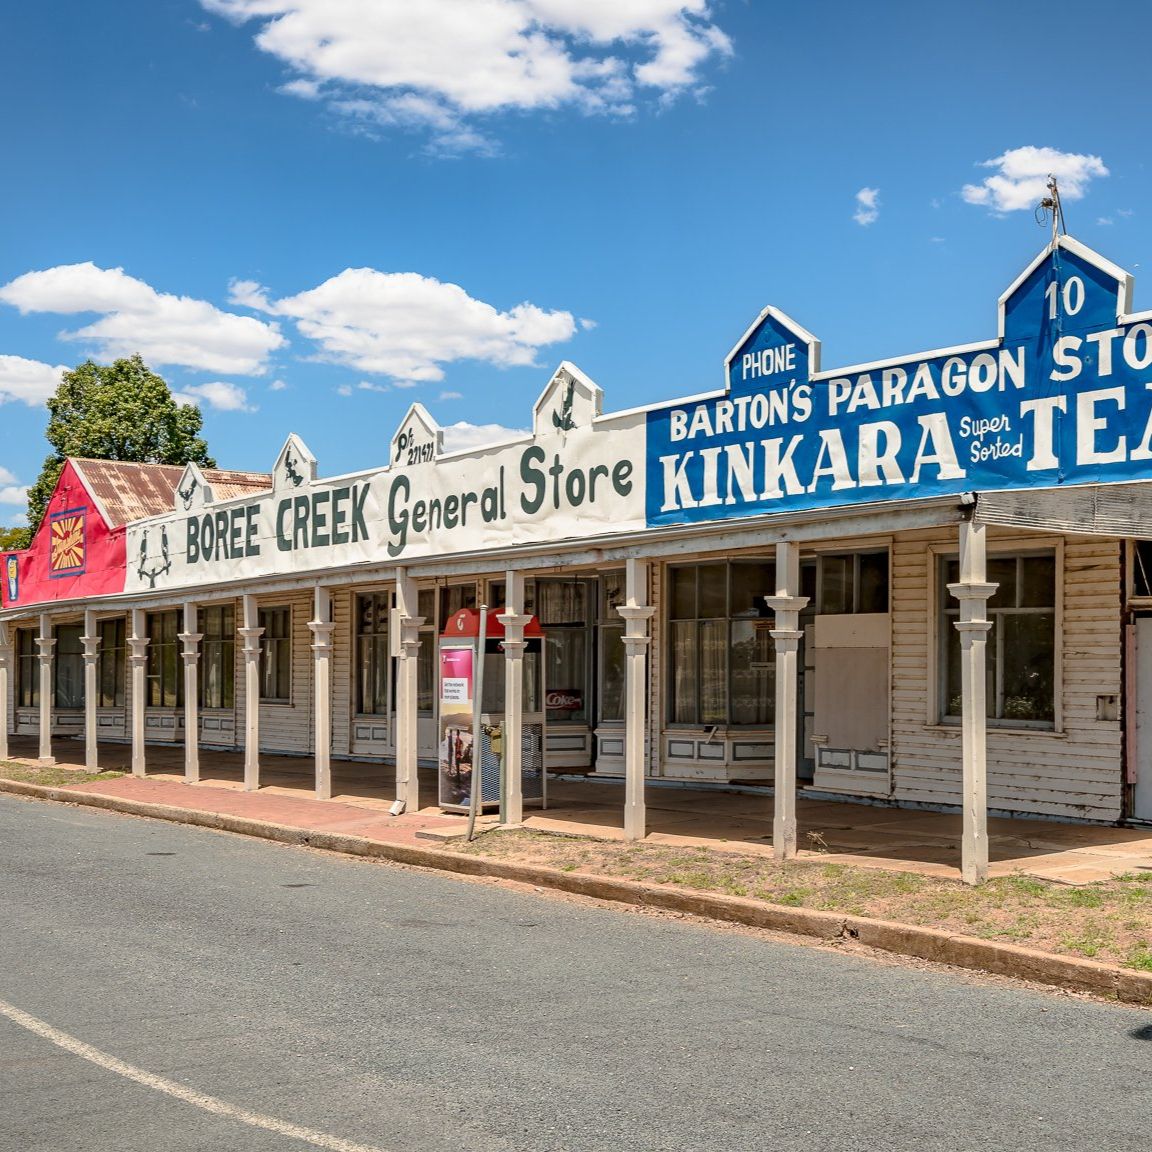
190	638
138	660
787	634
91	642
514	621
5	682
636	613
973	591
406	649
45	642
251	632
321	627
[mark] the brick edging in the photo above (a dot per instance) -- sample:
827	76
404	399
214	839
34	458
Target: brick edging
1124	984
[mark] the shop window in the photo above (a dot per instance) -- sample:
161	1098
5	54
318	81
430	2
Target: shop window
721	659
426	657
276	655
68	668
455	597
217	679
111	665
562	608
165	681
1142	568
1021	648
27	669
613	668
372	662
853	582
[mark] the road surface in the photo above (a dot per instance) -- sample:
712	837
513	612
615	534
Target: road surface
165	989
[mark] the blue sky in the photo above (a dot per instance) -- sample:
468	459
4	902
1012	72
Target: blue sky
307	214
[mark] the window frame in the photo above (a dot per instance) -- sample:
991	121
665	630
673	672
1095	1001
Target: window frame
940	600
163	655
64	659
756	611
281	646
216	646
384	706
27	668
108	666
855	555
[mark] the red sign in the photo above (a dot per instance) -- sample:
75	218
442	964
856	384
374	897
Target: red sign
564	699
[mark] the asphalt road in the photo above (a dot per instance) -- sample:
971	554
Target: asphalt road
410	1012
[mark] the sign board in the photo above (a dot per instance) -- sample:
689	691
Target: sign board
456	756
1063	396
576	474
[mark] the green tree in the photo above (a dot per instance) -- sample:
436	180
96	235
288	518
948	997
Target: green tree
12	539
118	411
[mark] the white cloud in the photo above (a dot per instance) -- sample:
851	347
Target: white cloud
451	395
462	436
247	294
344	390
163	328
406	326
11	491
218	394
1022	177
437	63
28	380
277	386
1103	221
867	206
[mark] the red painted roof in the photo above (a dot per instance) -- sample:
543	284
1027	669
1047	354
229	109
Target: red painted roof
128	491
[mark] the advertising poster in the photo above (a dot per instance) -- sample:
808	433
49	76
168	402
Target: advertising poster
457	669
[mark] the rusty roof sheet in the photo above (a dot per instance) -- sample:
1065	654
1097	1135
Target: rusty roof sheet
128	491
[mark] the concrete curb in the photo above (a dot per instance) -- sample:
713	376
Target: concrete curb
1126	985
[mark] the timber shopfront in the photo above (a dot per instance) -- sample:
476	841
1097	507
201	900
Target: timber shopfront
920	581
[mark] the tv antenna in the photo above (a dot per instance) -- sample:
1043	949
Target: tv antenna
1051	209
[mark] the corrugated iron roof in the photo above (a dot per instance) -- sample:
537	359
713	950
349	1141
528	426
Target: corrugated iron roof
128	491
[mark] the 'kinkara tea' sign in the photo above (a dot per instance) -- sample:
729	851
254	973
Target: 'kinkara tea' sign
1062	397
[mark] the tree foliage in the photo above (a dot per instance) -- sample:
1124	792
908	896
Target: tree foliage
118	411
14	539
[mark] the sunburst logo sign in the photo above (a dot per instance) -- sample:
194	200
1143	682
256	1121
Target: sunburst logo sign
68	545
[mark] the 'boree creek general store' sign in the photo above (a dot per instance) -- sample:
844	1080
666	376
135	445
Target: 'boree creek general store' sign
1063	396
579	474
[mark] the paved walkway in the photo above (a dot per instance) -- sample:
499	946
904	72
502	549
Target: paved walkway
923	842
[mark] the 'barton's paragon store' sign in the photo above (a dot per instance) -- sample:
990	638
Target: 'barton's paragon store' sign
1063	396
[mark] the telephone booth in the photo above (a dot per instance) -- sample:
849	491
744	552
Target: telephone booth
460	661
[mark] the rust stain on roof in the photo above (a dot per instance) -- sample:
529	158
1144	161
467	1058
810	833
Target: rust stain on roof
129	491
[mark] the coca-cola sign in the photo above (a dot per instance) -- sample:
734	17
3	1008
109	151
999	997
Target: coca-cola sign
564	699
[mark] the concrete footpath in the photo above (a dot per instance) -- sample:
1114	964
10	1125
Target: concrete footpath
408	839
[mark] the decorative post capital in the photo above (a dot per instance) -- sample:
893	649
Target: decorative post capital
968	591
251	642
635	617
321	635
787	609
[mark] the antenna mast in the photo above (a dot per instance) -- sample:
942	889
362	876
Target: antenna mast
1051	206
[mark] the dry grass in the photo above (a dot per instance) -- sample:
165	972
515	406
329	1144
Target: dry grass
1109	920
53	776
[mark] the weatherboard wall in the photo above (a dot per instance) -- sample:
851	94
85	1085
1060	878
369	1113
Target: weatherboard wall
1073	772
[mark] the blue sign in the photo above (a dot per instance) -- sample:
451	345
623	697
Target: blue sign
1063	396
